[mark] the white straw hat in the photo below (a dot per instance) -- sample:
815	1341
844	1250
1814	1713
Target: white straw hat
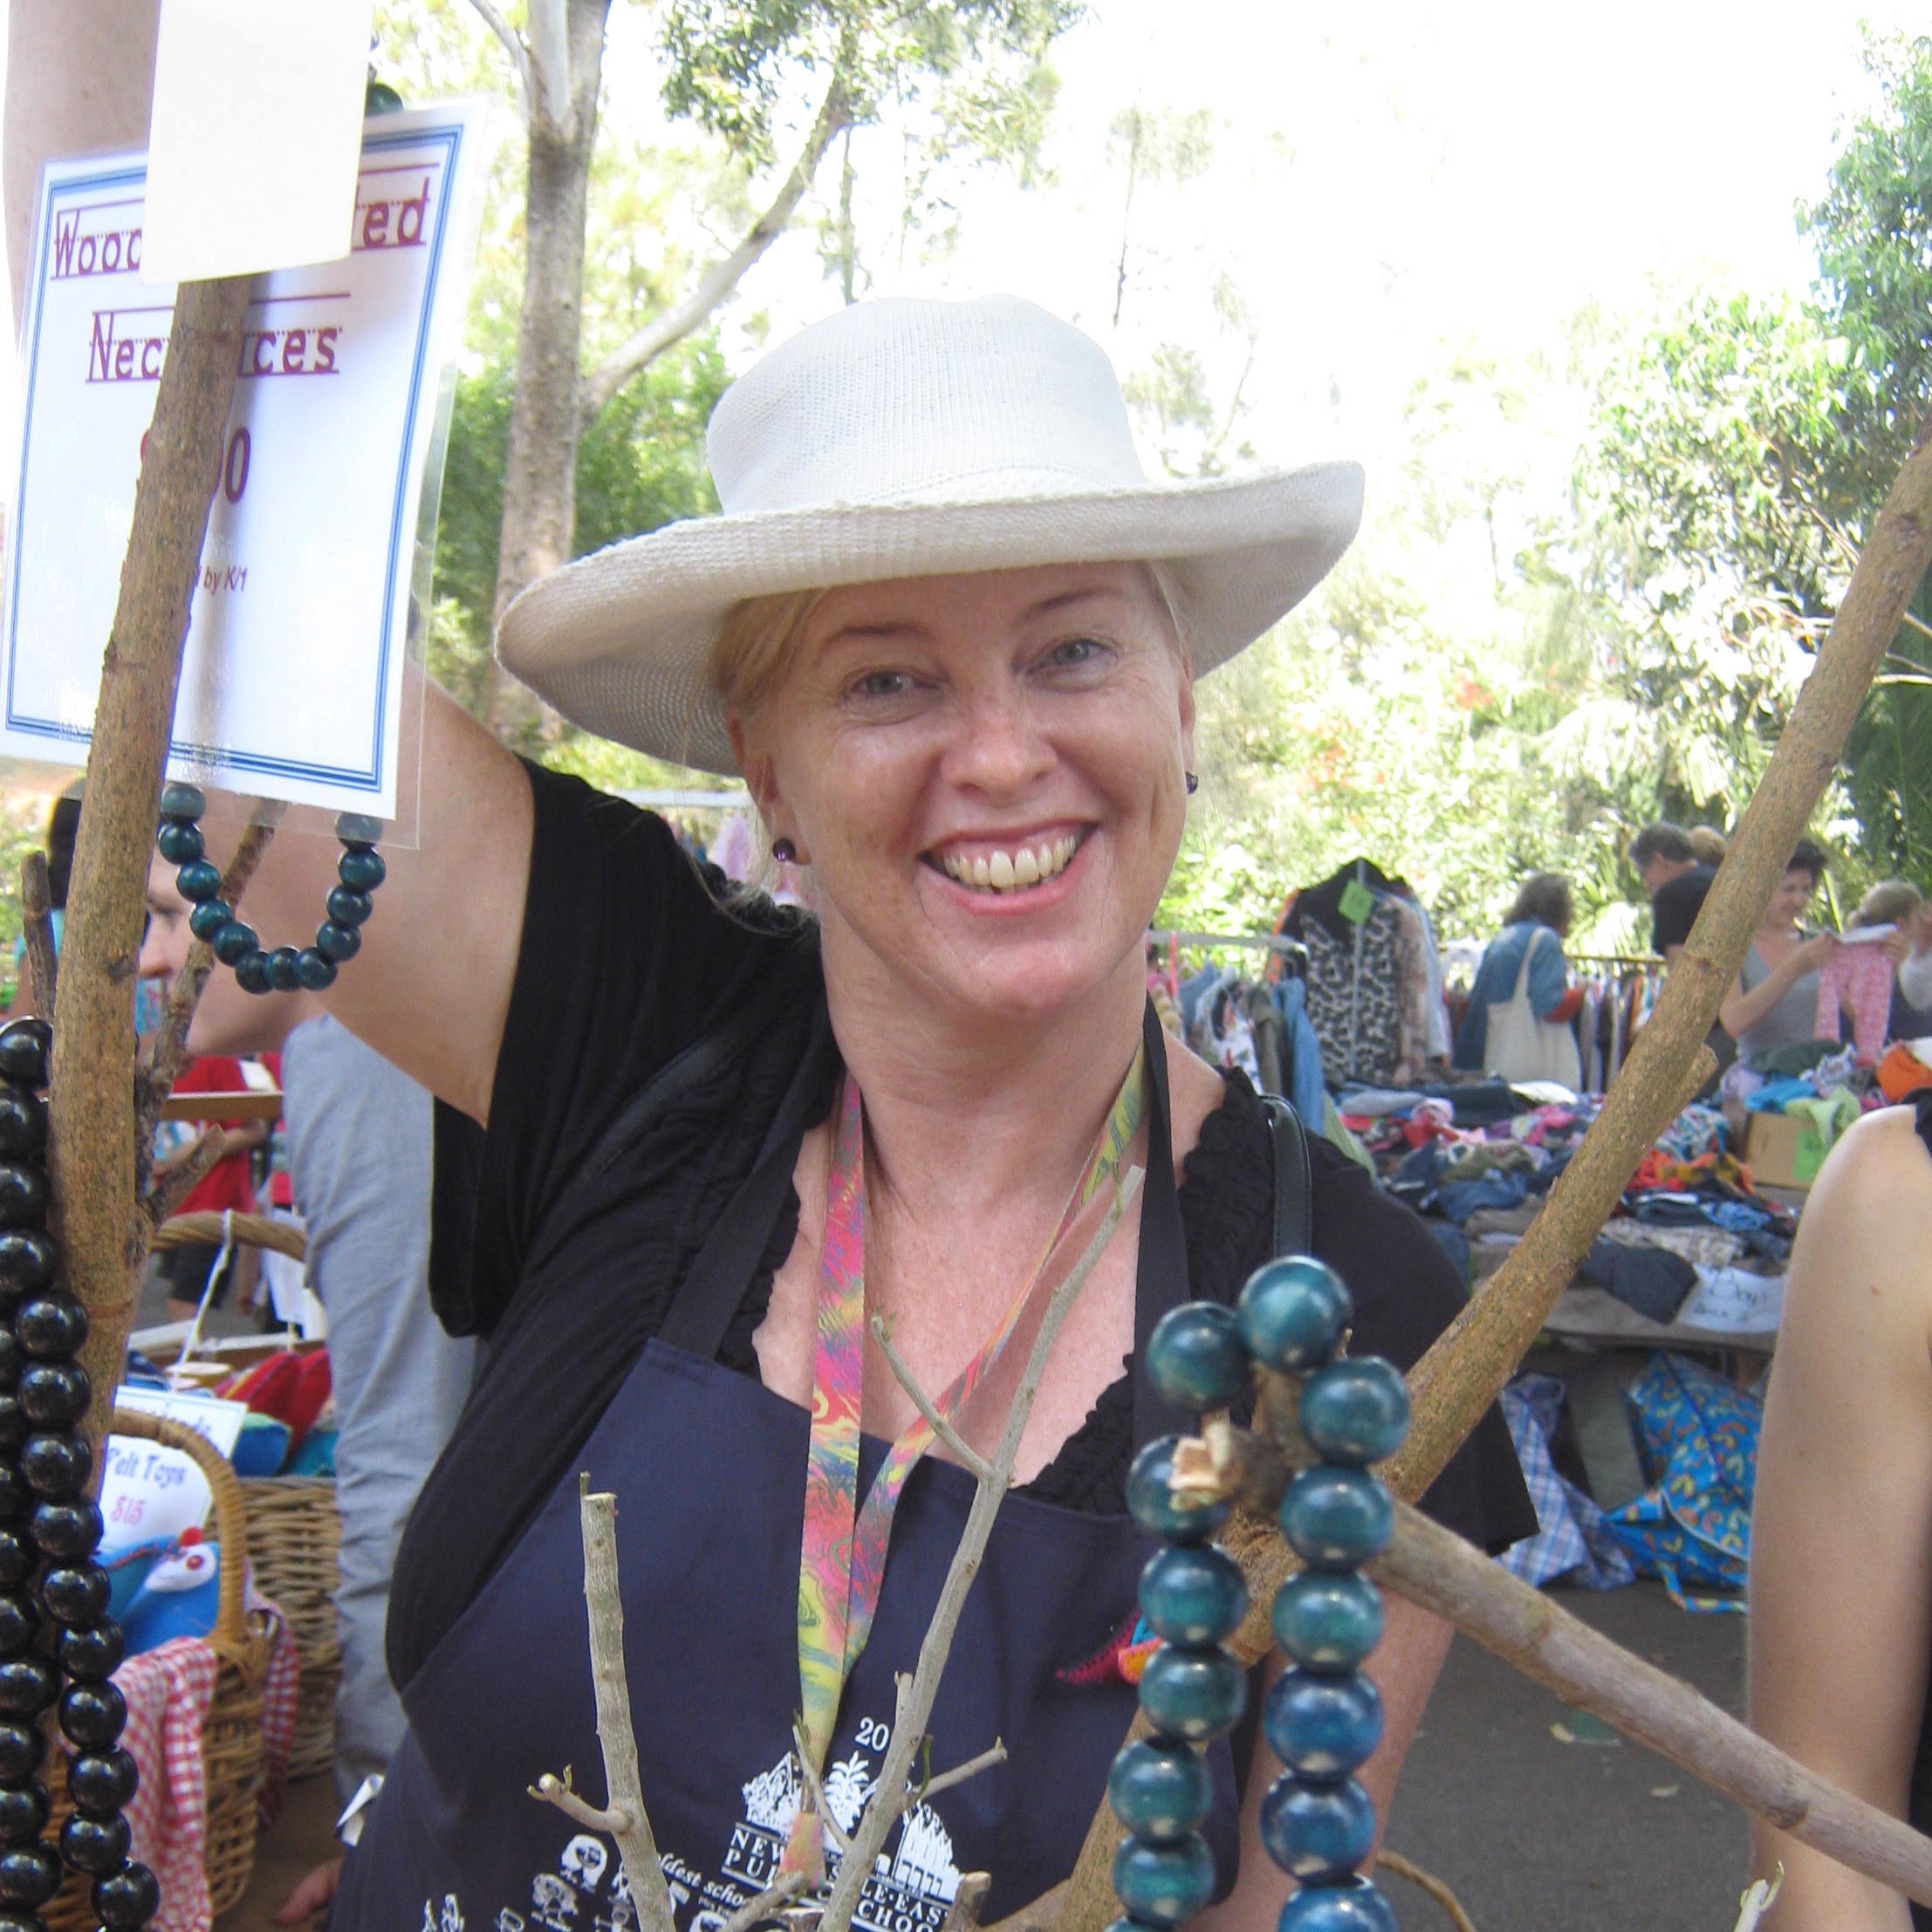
911	439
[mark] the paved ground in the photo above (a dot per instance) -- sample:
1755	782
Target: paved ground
1538	1835
1532	1835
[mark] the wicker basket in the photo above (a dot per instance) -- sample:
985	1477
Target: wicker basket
231	1734
293	1536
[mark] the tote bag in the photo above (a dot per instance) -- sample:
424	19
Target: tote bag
1522	1047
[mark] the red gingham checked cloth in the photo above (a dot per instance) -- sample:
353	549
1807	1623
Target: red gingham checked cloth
167	1692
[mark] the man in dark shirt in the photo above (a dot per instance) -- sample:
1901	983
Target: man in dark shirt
1666	865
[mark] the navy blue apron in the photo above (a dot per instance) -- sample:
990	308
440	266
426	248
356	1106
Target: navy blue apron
709	1470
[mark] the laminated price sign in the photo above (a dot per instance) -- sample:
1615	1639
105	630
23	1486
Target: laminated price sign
149	1493
292	686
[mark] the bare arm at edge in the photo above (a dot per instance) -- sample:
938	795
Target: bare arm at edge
429	990
1841	1530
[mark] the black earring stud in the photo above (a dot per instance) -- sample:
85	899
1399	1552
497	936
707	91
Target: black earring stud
1194	784
784	852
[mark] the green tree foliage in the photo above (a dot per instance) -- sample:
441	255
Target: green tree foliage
734	64
1873	234
1741	450
640	465
965	83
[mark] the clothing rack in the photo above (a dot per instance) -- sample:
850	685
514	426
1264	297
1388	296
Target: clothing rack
1273	943
689	801
1629	981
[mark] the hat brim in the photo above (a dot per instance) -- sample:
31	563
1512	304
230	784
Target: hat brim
620	641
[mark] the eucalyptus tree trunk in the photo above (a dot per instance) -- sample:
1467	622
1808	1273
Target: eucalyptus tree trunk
540	469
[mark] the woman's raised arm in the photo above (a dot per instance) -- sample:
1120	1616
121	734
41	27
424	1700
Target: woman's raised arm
430	988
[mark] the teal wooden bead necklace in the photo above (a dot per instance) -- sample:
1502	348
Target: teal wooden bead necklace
284	969
1324	1718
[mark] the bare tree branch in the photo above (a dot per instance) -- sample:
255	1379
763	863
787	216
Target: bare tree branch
550	65
1466	1366
519	56
626	1819
166	1195
968	1898
968	1456
917	1693
994	1754
665	331
1434	1568
552	1790
756	1911
97	1215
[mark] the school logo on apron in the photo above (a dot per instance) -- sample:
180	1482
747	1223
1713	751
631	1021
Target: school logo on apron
915	1881
910	1890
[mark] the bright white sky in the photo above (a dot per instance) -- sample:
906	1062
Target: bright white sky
1392	173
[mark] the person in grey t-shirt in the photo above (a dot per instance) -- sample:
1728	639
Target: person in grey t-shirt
359	1137
1774	1000
358	1141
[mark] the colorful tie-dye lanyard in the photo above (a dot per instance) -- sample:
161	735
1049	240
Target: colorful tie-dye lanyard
842	1557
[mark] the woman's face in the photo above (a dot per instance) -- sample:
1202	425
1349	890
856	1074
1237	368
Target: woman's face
164	945
1788	902
986	774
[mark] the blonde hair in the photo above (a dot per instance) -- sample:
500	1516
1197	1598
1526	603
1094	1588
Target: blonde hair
1890	903
1708	845
755	643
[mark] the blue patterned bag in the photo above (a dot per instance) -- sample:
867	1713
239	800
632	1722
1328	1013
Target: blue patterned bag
1698	1436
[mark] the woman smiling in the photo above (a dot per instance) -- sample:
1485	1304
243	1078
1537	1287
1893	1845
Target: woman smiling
947	634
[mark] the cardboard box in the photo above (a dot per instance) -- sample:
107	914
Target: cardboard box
1783	1150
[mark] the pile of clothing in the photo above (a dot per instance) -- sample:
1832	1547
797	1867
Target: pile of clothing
1817	1080
1450	1151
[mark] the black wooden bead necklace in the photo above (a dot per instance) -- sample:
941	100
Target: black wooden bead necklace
58	1650
284	969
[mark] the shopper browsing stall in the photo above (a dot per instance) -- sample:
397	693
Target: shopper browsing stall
1521	1005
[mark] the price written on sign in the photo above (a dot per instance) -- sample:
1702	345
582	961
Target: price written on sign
293	678
150	1493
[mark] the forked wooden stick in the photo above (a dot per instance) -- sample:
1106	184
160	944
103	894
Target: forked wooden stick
91	1156
624	1817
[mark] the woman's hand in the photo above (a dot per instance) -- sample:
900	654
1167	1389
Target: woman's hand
1897	946
1404	1666
311	1895
1742	1009
1812	953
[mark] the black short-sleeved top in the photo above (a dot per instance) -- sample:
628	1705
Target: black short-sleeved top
1674	906
626	958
